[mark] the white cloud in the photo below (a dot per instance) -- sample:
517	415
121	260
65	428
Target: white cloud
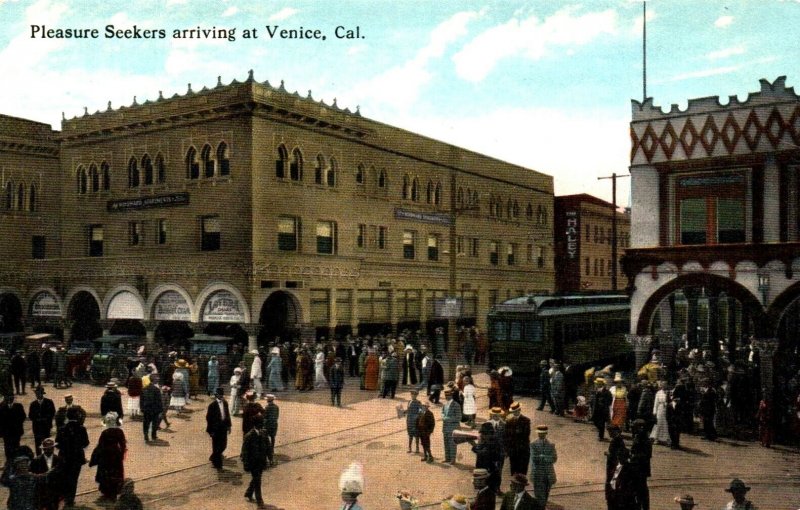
176	2
23	52
726	52
530	38
285	13
636	28
356	49
723	21
703	73
230	11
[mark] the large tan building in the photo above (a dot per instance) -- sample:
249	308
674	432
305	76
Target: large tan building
245	208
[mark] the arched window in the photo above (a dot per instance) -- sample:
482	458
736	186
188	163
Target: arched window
541	215
133	173
147	168
296	166
406	187
331	175
429	192
498	208
319	170
474	199
437	194
161	169
32	199
21	197
81	181
529	212
460	197
94	178
9	195
280	162
208	161
192	165
415	190
106	171
516	209
360	174
491	205
382	179
510	209
223	159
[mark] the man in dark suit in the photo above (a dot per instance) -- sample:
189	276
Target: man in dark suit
152	406
485	497
601	403
353	352
271	415
111	401
41	412
255	448
435	380
518	498
218	426
12	418
518	439
49	462
72	439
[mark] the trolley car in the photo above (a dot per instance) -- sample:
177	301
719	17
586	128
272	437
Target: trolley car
580	330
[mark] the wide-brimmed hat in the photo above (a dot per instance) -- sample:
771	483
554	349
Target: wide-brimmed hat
686	500
618	377
515	406
48	442
600	381
480	474
542	429
111	384
181	363
270	397
519	479
737	486
409	348
39	389
496	411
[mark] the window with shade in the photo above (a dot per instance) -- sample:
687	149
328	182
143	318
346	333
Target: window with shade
711	209
326	237
210	233
288	233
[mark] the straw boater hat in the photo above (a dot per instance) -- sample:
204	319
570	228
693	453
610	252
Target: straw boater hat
351	480
409	347
685	501
480	474
541	429
270	397
515	407
275	351
111	384
181	363
506	370
618	378
496	411
600	381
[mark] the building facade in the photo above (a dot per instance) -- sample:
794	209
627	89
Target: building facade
584	244
715	225
249	209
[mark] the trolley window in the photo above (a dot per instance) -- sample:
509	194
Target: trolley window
516	331
533	331
499	331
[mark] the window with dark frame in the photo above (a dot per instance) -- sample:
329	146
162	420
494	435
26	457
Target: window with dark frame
494	248
288	233
96	240
433	247
135	233
280	162
38	247
361	236
210	230
326	237
162	231
223	159
208	161
409	242
382	237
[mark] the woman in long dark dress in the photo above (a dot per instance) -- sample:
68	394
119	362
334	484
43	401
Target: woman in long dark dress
109	457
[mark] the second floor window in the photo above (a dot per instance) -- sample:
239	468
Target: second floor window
210	229
38	247
326	237
433	247
135	233
409	240
494	248
511	253
361	237
288	233
96	241
161	233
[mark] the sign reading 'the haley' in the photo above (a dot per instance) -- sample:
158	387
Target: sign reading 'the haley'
573	235
148	202
437	218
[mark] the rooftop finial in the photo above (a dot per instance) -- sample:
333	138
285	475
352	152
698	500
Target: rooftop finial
109	106
282	88
219	81
334	103
358	110
63	116
86	110
250	75
309	94
160	95
134	101
190	89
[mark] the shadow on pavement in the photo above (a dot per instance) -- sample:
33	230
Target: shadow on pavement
159	442
695	451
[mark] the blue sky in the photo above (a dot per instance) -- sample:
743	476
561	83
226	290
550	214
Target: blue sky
543	84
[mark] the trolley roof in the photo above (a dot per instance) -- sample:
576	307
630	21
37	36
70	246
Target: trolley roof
564	305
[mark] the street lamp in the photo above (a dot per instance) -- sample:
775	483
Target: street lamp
763	286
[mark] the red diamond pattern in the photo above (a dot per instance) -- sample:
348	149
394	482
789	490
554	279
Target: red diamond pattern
730	133
752	130
709	135
689	137
669	139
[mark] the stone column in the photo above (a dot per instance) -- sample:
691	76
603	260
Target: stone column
106	325
713	327
332	319
766	350
66	327
732	334
354	311
150	332
641	347
692	296
252	335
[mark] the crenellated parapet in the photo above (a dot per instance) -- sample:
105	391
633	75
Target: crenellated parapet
27	137
767	121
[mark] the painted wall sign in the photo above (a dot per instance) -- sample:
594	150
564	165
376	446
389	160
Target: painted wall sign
45	305
573	234
223	306
171	306
125	305
437	218
148	202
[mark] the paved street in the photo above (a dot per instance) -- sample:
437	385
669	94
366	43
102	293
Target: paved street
316	442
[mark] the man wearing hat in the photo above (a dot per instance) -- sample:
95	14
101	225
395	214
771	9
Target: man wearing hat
451	418
412	412
485	496
111	401
601	404
409	365
255	449
41	412
336	382
12	418
518	498
72	439
351	485
518	439
252	412
218	426
686	502
152	406
543	456
544	387
49	462
61	414
271	415
641	452
425	425
739	490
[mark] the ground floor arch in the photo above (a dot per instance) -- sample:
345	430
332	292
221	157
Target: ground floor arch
10	313
280	316
84	314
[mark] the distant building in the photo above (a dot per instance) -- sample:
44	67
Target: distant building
715	225
583	243
245	209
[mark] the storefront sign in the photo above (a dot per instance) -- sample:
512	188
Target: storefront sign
171	306
148	202
573	234
45	305
223	306
437	218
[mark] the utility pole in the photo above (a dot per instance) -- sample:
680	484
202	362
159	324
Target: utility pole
644	51
614	261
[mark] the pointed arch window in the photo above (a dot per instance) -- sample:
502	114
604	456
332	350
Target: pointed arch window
32	199
106	171
21	197
516	209
360	175
498	208
81	181
437	194
474	199
133	173
460	197
147	168
319	170
429	193
9	195
415	190
510	209
529	212
192	164
94	178
491	205
208	161
296	166
382	179
223	159
406	187
161	169
541	215
331	175
280	162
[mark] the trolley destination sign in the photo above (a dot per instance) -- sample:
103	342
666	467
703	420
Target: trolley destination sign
170	200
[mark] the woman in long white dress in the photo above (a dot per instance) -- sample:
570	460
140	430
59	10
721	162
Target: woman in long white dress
470	409
235	385
660	432
319	370
178	399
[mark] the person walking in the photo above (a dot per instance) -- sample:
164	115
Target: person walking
41	412
600	407
19	372
391	375
485	496
426	423
558	389
256	374
739	492
34	364
470	407
111	401
660	432
543	456
152	406
435	380
619	402
275	370
646	403
674	422
60	369
517	439
336	382
544	387
518	498
252	413
362	368
52	464
218	426
451	418
71	440
489	456
412	413
409	366
641	453
255	449
620	494
212	379
109	457
61	414
708	408
12	420
271	416
135	386
319	369
236	386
